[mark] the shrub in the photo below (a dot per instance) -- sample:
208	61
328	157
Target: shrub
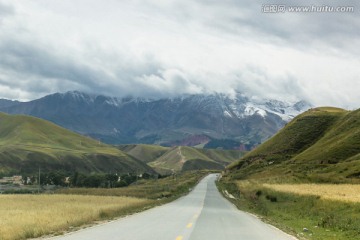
271	198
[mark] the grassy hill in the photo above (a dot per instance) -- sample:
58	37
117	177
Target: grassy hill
166	159
223	157
143	152
176	157
27	143
321	145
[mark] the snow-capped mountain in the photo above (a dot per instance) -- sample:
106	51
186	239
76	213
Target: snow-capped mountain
167	121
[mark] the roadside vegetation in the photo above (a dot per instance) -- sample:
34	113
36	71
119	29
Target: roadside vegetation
166	189
57	179
301	210
28	216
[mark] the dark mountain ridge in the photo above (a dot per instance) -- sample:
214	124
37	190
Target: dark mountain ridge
167	121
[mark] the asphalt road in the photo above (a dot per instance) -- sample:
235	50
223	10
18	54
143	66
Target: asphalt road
203	214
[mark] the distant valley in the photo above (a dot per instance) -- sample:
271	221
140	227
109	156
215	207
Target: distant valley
181	158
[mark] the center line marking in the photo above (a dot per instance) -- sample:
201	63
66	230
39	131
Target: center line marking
179	238
189	225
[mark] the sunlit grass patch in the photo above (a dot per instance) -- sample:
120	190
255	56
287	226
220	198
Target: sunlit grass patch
28	216
339	192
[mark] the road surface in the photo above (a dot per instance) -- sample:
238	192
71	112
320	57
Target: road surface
203	214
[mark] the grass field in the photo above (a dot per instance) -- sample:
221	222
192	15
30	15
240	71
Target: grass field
326	212
339	192
29	216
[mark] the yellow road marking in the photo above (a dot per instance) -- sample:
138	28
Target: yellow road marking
179	238
189	225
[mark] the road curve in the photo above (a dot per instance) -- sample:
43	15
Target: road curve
203	214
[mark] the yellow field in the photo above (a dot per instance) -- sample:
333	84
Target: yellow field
339	192
27	216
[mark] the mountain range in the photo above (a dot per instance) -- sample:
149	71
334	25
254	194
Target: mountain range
209	121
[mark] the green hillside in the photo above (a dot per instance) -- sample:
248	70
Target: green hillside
321	145
175	158
27	143
199	164
224	157
143	152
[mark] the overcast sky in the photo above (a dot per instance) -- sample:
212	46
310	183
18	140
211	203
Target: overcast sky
161	48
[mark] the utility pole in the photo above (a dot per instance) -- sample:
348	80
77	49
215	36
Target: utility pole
39	181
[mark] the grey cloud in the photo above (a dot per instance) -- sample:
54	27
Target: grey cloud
41	70
30	59
5	11
119	69
245	19
259	83
167	83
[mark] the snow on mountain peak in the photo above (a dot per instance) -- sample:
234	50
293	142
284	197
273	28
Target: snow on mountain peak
244	107
113	102
79	96
239	106
252	110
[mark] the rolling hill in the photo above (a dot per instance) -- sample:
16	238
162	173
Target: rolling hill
169	159
145	153
321	145
27	143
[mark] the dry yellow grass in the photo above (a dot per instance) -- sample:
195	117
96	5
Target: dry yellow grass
339	192
25	216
